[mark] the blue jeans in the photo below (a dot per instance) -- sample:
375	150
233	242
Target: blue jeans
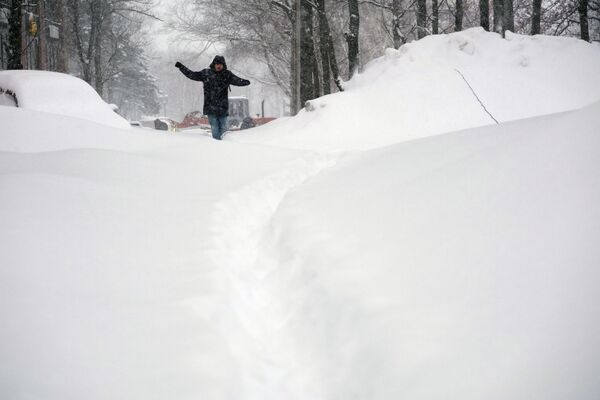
218	125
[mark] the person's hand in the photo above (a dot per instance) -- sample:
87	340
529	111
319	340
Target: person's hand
178	65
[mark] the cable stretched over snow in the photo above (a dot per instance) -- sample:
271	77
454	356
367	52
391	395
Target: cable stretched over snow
477	97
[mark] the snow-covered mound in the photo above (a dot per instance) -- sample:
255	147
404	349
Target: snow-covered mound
57	93
104	238
418	90
462	266
26	130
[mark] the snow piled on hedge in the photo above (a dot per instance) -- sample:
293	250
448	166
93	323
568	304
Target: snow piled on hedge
417	91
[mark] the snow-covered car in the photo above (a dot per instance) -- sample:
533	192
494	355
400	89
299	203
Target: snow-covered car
170	123
7	98
56	93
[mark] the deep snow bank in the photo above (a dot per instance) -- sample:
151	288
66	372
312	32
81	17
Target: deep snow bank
462	266
105	236
25	130
57	93
416	91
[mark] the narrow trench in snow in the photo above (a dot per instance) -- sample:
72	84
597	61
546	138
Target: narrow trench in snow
262	296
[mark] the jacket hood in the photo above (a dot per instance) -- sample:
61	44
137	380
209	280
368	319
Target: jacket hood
218	60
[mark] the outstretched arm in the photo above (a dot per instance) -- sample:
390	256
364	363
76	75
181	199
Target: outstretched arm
193	75
237	81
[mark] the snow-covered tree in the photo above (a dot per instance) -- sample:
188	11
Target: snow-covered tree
109	41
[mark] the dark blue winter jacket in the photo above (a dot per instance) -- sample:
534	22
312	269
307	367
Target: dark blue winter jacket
216	85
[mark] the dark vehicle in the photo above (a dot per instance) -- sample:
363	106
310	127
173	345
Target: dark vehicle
238	111
160	125
247	123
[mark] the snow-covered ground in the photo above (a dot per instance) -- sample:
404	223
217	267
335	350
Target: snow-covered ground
141	265
102	247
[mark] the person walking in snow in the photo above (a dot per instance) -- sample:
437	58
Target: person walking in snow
217	79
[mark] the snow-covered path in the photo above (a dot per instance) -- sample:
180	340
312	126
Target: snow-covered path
263	296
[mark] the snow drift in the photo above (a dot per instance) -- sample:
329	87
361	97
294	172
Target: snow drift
418	90
104	238
58	93
463	266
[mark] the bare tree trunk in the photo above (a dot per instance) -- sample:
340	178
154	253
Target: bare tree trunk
583	19
327	44
83	55
509	17
396	27
421	18
323	32
15	28
295	60
307	54
484	14
62	62
42	63
435	17
326	72
498	15
536	16
96	43
98	81
352	36
293	80
458	17
317	88
335	71
87	71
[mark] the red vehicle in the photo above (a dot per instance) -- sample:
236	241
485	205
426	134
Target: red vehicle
263	120
195	118
238	112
